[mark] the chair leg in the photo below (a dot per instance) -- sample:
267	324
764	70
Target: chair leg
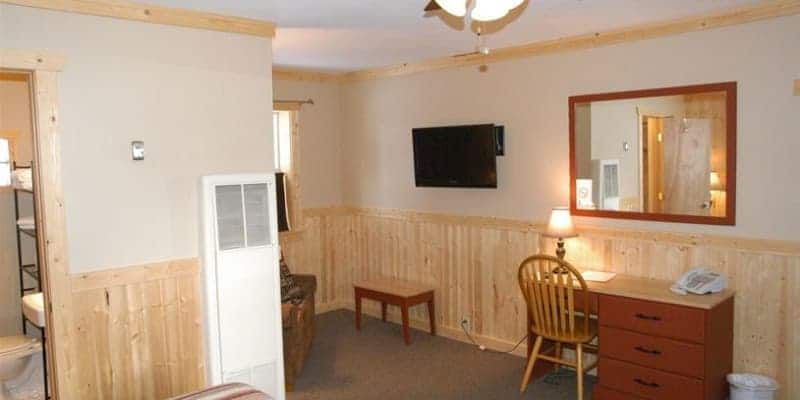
531	362
406	333
556	366
579	368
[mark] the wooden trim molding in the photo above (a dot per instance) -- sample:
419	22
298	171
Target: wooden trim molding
134	274
797	87
121	9
290	74
30	60
52	241
779	247
737	16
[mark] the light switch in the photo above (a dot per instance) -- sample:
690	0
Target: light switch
137	150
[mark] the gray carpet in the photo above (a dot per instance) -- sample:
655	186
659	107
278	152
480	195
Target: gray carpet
376	364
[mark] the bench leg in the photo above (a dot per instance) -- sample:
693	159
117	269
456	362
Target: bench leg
406	333
432	316
358	310
383	310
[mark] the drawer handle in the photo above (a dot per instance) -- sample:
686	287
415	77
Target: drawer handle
645	383
648	317
647	351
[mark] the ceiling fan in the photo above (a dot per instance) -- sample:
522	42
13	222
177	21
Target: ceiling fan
476	10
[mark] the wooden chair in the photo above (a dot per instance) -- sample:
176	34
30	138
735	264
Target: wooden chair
548	284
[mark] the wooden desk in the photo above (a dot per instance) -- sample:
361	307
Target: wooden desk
655	344
397	292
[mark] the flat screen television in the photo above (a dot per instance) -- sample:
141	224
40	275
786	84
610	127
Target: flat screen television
455	156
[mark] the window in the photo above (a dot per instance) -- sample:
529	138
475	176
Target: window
7	143
285	128
282	126
5	162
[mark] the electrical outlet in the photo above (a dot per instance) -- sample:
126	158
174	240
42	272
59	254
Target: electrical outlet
466	323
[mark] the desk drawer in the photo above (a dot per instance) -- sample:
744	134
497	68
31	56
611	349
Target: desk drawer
651	351
648	383
653	318
603	393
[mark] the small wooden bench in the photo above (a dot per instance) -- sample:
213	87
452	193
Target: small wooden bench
397	292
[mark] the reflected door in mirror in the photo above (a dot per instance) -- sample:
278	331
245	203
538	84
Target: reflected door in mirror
663	154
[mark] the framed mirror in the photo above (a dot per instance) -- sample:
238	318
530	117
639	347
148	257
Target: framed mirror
664	154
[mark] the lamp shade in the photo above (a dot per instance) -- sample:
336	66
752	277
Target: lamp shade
560	225
454	7
716	181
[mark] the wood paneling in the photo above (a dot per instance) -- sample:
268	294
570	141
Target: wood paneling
155	14
472	262
138	331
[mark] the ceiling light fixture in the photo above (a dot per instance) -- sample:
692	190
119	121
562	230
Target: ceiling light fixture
479	10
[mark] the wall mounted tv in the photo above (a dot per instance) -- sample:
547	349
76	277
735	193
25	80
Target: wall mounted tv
455	156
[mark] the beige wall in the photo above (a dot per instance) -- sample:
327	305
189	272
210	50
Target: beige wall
15	116
529	96
200	100
320	140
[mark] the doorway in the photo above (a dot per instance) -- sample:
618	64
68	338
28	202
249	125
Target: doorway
46	221
22	303
652	163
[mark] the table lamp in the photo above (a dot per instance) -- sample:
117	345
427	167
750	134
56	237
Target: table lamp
560	227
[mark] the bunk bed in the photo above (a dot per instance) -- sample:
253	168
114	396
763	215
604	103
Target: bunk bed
22	183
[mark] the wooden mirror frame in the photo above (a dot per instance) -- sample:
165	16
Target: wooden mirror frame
730	89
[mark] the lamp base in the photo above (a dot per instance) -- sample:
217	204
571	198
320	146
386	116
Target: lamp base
560	253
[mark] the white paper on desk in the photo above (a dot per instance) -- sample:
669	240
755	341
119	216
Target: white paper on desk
598	276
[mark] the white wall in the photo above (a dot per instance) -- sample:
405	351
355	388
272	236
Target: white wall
320	140
529	96
200	100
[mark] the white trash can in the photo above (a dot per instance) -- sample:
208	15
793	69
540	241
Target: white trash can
752	387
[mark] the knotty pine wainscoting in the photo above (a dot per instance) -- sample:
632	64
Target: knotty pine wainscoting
473	262
138	332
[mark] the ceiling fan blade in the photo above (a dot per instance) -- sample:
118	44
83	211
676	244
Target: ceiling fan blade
432	6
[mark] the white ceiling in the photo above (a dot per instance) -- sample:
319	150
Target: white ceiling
353	34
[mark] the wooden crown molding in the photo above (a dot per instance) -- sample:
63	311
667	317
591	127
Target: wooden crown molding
743	15
289	74
154	14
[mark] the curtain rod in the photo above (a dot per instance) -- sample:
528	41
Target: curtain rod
309	101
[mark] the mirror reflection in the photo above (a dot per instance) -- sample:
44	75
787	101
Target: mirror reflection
664	155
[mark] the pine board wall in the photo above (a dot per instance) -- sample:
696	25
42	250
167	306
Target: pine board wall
472	262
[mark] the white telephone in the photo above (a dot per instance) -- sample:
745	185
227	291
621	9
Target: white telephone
700	281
